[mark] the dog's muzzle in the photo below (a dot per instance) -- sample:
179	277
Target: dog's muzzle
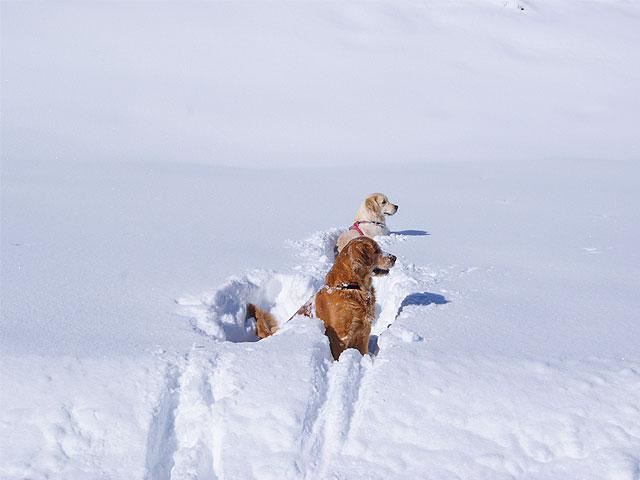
390	261
392	212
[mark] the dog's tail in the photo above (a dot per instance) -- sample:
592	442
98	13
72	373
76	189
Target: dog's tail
266	324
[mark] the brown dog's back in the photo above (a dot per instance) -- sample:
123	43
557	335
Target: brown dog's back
347	316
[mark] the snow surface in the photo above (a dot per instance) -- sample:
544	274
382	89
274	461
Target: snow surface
163	164
264	83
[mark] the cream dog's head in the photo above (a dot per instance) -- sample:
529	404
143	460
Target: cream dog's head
375	207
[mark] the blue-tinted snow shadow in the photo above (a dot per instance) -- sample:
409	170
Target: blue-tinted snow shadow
418	298
373	345
422	299
412	233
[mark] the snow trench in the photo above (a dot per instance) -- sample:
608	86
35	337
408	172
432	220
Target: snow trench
222	315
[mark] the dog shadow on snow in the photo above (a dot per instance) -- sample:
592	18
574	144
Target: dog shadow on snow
422	299
419	299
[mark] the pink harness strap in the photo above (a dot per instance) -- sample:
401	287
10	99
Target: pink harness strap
356	227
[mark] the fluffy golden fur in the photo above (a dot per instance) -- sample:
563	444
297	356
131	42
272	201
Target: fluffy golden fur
346	302
370	218
265	323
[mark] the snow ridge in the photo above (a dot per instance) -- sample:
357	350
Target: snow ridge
334	416
193	457
314	418
161	441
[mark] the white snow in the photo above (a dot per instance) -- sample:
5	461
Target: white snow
263	83
163	164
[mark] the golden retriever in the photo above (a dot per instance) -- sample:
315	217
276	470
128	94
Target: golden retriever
369	220
346	302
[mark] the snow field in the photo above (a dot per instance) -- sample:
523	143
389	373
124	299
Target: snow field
484	417
336	83
282	409
523	433
150	150
79	418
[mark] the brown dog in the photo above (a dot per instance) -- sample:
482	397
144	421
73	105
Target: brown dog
346	301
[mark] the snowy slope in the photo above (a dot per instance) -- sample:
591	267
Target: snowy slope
264	83
163	164
241	411
281	408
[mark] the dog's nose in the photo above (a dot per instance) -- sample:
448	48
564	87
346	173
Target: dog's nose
396	208
392	259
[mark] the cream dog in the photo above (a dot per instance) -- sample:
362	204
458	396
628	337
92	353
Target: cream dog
369	220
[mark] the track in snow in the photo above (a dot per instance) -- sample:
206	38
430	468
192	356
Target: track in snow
333	417
161	440
334	387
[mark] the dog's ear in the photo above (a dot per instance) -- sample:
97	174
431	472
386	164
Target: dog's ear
372	205
363	258
360	268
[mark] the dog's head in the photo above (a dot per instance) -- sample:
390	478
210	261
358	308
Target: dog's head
377	205
359	260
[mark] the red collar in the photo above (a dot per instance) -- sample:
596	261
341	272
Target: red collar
356	227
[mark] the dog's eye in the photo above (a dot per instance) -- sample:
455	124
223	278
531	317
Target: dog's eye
383	202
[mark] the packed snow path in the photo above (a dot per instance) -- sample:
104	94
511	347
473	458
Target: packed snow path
282	409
